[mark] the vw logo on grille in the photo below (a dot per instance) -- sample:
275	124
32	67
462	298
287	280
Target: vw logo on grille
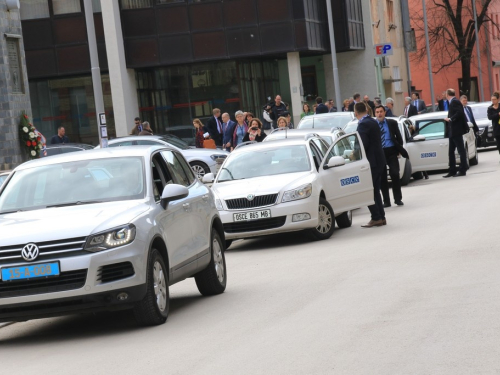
30	252
250	197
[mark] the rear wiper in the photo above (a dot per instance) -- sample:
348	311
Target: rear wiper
77	203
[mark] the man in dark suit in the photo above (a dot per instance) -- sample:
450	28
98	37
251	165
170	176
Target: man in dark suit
419	103
371	104
331	106
321	108
357	98
469	115
392	144
369	131
456	128
443	103
228	130
389	106
410	109
214	127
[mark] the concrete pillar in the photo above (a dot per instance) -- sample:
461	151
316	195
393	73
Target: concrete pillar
329	84
122	80
293	59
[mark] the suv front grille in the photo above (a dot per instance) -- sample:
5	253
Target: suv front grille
258	201
48	250
65	281
114	272
255	225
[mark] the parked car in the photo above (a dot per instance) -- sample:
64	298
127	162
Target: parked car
328	135
326	120
64	148
292	184
106	230
201	160
480	112
3	176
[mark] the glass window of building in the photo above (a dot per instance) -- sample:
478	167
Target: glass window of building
66	6
96	6
33	9
136	4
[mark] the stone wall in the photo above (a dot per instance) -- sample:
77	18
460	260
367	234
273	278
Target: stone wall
11	104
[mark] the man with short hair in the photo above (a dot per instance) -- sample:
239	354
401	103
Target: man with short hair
137	127
392	144
228	129
443	103
356	98
418	103
457	127
288	117
276	110
371	104
331	106
321	108
389	105
60	137
469	115
369	131
214	127
410	109
146	129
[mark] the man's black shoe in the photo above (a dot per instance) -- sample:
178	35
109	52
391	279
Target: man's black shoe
400	203
460	174
449	175
387	204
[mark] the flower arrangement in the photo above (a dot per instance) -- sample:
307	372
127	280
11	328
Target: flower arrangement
30	138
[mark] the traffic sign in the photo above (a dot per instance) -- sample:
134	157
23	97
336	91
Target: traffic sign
384	49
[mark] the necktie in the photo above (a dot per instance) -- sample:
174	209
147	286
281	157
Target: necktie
382	133
415	104
446	105
224	124
218	125
466	110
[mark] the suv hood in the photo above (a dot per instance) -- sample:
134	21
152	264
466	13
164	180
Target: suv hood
51	224
261	185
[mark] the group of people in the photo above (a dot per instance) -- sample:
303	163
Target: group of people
141	128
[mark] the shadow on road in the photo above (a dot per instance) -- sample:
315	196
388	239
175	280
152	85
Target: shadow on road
271	242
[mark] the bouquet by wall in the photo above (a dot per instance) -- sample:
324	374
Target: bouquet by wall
31	139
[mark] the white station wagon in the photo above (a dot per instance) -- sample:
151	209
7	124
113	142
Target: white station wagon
291	185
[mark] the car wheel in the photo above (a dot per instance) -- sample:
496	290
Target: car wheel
228	243
153	309
417	176
326	224
212	280
475	159
199	169
467	157
344	220
405	180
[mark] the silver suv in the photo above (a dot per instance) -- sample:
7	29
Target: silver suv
106	230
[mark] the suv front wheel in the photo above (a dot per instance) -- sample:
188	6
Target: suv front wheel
212	280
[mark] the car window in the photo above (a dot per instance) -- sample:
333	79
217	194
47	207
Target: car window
3	178
317	156
175	167
51	151
480	112
431	129
187	169
325	121
66	150
322	146
147	143
348	147
176	141
161	176
123	143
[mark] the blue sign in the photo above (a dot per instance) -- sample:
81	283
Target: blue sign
424	155
349	181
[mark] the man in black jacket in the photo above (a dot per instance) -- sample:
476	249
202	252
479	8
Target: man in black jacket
410	109
276	110
214	127
357	98
392	144
456	128
321	108
469	115
369	131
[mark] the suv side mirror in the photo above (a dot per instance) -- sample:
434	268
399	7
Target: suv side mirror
208	178
419	138
173	192
335	161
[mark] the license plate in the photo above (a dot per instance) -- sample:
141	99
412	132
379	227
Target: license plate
254	215
30	272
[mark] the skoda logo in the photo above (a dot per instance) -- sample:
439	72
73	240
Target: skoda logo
250	197
30	252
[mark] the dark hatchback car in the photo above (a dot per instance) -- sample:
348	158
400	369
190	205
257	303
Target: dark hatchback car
64	148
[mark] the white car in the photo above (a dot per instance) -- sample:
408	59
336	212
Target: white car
290	185
201	160
326	120
3	176
329	135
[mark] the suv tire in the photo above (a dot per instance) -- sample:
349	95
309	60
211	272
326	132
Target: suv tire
154	307
405	180
213	279
344	220
200	169
326	221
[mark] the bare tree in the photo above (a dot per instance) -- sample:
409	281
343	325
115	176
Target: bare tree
452	34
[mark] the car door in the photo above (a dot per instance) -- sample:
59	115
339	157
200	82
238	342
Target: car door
430	153
174	222
349	186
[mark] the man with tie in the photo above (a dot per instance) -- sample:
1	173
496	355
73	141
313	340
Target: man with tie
228	130
468	114
457	127
369	131
410	109
392	144
418	103
443	103
214	127
389	106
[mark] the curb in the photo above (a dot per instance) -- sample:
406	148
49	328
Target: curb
2	325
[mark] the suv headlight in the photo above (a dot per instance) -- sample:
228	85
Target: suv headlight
301	192
111	239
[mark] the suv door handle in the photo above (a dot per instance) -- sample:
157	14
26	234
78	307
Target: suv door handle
364	168
443	144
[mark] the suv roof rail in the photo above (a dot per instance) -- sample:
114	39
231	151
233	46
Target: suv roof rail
335	128
279	129
310	135
245	144
401	117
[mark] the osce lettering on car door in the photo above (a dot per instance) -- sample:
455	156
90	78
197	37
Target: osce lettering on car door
428	149
351	179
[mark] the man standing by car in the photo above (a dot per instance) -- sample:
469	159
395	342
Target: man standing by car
410	109
392	143
276	110
228	129
457	127
356	98
137	127
214	127
469	115
389	106
321	108
418	103
60	137
369	131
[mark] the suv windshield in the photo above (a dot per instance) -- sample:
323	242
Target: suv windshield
80	182
258	163
325	121
176	141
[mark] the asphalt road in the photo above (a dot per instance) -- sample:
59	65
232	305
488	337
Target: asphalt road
418	296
